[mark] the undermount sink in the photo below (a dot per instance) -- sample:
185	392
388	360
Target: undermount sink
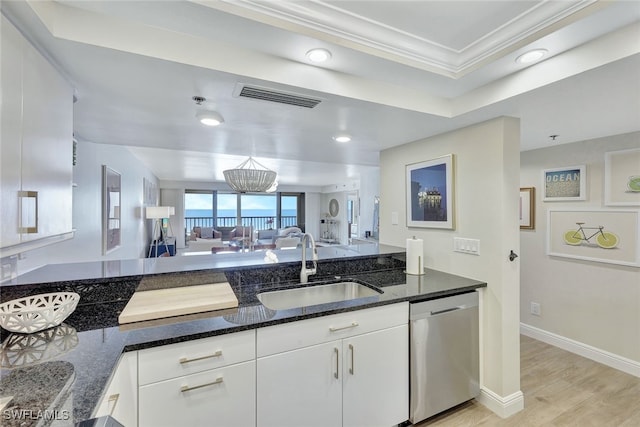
313	295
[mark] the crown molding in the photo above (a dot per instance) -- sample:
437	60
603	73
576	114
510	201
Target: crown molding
330	23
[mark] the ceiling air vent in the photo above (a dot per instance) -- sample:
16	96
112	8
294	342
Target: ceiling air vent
276	96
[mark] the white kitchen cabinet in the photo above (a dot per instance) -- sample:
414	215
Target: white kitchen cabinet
375	378
11	132
37	147
358	377
121	398
190	357
199	383
218	397
300	388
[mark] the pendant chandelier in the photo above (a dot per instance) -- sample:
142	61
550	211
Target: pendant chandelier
250	177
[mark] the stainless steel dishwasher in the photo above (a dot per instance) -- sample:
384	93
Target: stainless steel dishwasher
444	354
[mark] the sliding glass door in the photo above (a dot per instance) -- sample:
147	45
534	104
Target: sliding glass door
262	211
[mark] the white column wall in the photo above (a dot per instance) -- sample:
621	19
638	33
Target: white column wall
486	201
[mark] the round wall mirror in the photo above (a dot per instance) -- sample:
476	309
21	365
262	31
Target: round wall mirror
334	207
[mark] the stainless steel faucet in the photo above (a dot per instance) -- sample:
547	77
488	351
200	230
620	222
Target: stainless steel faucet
304	271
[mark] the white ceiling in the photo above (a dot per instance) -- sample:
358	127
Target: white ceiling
400	71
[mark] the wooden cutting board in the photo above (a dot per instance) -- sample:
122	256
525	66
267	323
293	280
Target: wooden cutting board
161	303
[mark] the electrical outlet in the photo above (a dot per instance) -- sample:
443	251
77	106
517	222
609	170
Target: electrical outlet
535	308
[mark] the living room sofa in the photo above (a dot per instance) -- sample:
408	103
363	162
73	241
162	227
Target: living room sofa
203	239
274	235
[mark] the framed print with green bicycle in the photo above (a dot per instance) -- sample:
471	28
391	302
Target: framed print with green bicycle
622	178
610	236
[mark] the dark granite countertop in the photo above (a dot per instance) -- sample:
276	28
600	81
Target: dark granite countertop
149	266
62	372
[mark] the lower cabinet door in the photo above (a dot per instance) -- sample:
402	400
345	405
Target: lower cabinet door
120	399
301	387
376	378
218	397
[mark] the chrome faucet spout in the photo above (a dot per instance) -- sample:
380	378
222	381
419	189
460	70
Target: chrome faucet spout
304	271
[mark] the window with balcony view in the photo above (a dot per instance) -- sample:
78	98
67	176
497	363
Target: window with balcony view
262	211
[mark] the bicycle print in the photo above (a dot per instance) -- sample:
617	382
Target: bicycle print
604	239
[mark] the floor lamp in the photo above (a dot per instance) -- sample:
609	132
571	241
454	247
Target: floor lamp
157	214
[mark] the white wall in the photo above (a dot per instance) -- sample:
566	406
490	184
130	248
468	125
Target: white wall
175	198
87	210
312	214
339	230
486	199
369	189
593	303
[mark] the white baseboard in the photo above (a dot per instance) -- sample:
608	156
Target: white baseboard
504	407
601	356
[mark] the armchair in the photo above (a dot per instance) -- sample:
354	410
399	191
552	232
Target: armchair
242	232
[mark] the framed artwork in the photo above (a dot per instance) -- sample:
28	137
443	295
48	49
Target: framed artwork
150	192
563	184
527	208
610	236
622	178
111	186
429	187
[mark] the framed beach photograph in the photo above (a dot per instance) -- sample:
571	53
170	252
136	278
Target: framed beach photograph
610	236
622	178
429	187
527	208
111	187
564	184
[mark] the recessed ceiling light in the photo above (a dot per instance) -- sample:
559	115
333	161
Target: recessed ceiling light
210	118
319	55
531	56
342	138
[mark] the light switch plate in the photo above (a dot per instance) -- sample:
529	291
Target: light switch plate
394	218
466	246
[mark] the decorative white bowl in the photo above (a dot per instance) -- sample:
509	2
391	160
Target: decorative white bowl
37	312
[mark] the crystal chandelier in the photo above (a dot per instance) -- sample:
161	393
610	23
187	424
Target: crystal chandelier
250	177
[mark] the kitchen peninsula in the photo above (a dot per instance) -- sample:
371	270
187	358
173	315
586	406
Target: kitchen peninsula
69	369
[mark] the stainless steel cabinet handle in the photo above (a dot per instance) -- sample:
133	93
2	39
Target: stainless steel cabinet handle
352	325
195	387
113	398
446	310
186	360
352	368
337	352
28	212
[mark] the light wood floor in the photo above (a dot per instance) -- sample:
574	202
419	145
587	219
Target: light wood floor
560	389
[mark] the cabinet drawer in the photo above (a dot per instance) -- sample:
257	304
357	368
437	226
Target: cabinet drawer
189	357
279	338
219	397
